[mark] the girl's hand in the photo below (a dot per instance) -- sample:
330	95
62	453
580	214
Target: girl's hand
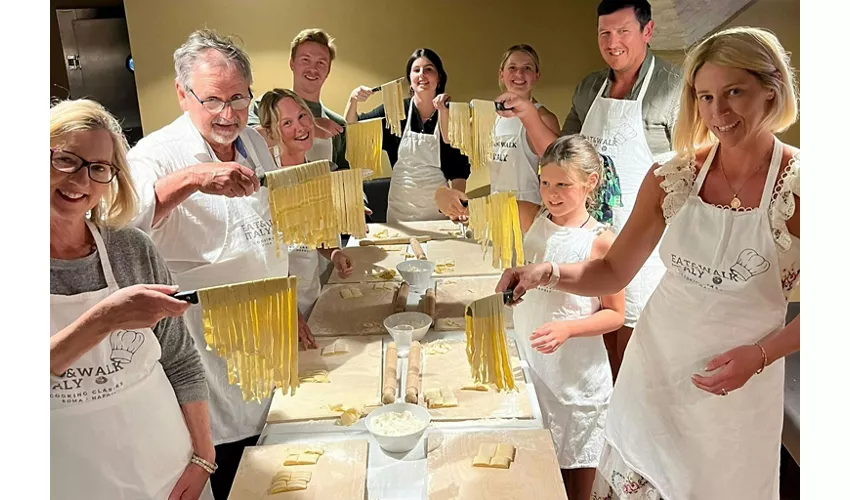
449	202
549	337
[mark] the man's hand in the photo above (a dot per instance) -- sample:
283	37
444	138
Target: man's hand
305	336
327	128
226	178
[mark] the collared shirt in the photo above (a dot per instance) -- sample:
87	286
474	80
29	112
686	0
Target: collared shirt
316	108
660	103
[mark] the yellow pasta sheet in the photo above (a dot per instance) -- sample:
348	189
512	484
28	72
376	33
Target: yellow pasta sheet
254	327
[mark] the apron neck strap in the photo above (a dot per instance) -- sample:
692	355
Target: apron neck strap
703	172
410	119
111	283
772	174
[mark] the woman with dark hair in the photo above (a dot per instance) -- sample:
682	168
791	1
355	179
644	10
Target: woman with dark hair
422	162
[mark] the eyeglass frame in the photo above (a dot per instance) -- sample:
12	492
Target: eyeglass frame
223	104
83	164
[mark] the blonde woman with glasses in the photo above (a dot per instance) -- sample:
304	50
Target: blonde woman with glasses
128	398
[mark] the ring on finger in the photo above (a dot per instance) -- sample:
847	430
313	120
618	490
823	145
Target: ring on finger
724	392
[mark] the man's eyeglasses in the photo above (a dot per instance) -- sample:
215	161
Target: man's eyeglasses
216	105
67	162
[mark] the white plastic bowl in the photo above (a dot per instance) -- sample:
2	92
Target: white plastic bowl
420	322
406	442
418	273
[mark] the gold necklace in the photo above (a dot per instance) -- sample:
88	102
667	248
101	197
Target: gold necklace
736	202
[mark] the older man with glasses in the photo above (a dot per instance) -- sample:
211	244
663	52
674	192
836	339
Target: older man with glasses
202	205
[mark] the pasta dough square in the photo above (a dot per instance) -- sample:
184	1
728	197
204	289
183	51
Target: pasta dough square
302	459
315	376
494	456
336	348
440	398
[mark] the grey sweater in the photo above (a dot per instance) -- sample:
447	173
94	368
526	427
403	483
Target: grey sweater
135	261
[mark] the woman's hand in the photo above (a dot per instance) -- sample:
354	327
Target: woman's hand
360	94
305	336
735	369
449	203
549	337
441	102
342	263
191	483
515	106
524	278
326	128
139	306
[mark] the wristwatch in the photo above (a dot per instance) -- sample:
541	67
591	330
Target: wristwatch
555	276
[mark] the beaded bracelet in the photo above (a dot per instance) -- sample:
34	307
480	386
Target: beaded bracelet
763	358
200	462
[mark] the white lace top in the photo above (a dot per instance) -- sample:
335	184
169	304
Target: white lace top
679	175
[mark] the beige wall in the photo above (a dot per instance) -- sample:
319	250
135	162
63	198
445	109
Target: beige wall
375	39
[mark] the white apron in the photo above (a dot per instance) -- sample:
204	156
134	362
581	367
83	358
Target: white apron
247	253
116	429
573	384
615	127
416	176
722	290
514	165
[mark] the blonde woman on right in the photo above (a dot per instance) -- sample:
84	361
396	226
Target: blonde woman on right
697	409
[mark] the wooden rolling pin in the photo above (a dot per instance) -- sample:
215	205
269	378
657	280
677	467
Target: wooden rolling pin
390	383
400	300
417	249
429	303
393	241
414	362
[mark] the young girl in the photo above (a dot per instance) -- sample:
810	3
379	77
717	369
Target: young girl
288	127
514	164
560	334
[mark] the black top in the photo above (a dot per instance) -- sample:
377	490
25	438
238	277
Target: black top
453	163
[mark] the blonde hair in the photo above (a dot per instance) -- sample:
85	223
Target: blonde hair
316	35
268	114
118	204
755	50
579	159
522	47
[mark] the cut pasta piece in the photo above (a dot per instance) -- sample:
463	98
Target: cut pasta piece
393	95
315	376
363	142
494	456
254	327
337	348
494	221
350	293
440	398
302	459
486	343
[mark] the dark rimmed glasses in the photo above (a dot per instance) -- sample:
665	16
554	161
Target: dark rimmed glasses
68	163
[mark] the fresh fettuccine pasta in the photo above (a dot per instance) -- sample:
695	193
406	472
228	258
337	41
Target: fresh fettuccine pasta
495	219
393	94
363	141
471	127
311	206
254	327
486	343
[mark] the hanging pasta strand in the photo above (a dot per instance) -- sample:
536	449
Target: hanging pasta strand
254	327
460	127
483	123
494	222
309	206
486	343
393	94
363	143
